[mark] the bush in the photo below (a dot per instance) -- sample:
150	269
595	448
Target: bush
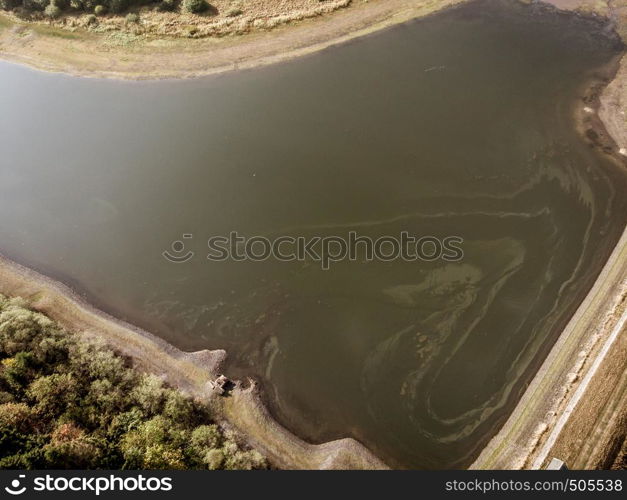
117	6
167	5
9	4
70	447
54	394
205	437
91	19
160	456
132	18
149	395
214	459
18	416
38	5
52	11
195	6
100	10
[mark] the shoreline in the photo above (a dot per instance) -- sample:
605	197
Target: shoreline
553	417
534	428
537	424
190	372
56	50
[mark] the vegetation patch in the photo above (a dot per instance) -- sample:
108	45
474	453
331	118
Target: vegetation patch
5	22
68	402
171	18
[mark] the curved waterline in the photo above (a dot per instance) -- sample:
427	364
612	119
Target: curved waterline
537	199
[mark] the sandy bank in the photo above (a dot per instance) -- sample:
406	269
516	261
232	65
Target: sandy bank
568	376
574	408
614	107
97	55
613	101
190	372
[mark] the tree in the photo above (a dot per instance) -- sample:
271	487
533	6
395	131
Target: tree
52	11
71	402
195	6
54	394
149	394
18	416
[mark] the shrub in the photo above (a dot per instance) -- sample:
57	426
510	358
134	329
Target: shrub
52	11
9	4
132	18
160	456
167	5
91	19
244	460
54	394
18	371
149	394
35	4
179	408
100	10
16	415
195	6
6	397
117	6
205	437
70	447
213	459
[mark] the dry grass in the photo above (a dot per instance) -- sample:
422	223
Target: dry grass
228	17
134	53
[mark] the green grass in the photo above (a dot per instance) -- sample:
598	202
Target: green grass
56	32
5	22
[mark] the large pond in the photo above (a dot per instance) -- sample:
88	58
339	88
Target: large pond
460	124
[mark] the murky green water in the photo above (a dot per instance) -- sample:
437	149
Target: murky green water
455	125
